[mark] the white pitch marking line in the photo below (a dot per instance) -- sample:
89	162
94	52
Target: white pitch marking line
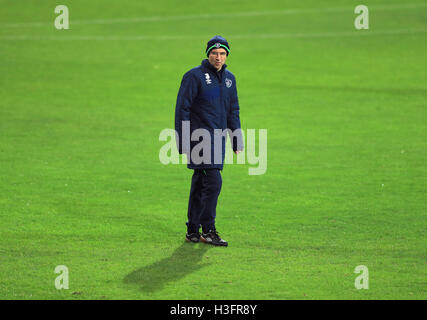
235	37
213	16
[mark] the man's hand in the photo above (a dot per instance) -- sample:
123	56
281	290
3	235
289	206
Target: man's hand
237	151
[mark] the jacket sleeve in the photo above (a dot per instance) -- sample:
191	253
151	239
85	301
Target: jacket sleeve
186	95
233	122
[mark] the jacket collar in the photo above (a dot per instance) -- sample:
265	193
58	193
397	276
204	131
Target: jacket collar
208	65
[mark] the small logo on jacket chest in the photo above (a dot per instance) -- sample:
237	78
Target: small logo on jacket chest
228	83
208	78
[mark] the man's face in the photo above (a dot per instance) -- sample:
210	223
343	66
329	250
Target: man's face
217	57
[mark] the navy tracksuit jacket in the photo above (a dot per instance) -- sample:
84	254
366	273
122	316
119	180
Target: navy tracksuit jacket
208	99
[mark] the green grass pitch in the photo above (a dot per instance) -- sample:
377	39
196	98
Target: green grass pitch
81	111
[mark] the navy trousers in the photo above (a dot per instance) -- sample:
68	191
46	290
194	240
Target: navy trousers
205	189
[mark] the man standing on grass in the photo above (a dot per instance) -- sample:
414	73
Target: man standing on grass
207	105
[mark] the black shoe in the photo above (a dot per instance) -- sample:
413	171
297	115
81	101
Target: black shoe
212	237
192	237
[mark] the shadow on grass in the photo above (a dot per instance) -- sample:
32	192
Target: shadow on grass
183	261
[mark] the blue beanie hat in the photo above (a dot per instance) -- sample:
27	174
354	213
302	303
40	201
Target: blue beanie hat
217	42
